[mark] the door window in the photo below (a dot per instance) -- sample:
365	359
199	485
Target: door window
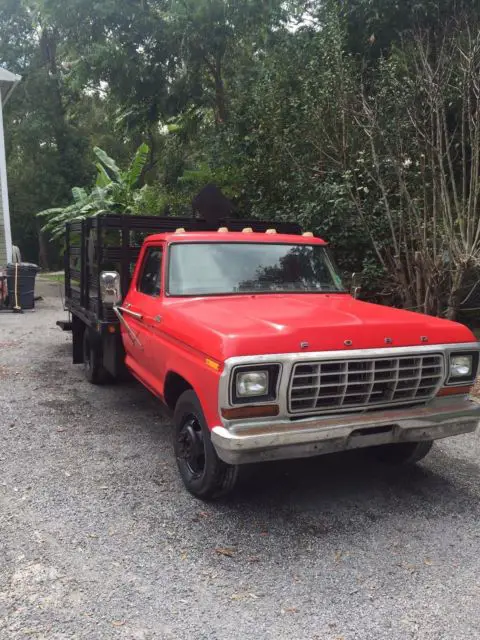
151	276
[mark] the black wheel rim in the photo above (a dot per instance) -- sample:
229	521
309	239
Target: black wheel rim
191	446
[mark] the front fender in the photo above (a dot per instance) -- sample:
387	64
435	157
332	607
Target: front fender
201	376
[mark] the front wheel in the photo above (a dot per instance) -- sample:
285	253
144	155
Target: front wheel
403	452
203	473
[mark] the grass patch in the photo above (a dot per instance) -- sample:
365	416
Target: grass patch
53	277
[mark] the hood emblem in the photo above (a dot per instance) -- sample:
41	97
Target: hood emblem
304	345
388	341
423	338
348	343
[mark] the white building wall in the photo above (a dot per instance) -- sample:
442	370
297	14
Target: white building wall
5	229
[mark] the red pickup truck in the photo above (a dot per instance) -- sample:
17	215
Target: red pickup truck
250	339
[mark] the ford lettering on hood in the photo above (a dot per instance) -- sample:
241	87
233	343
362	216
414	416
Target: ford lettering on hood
280	323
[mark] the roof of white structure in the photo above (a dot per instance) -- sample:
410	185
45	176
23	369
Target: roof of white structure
8	80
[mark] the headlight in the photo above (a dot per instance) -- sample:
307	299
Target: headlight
251	384
254	383
461	366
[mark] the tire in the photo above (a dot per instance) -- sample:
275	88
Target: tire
92	361
205	476
403	452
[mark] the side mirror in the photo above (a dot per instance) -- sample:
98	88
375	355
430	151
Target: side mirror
356	285
110	289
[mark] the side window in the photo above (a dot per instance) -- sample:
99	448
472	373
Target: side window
149	282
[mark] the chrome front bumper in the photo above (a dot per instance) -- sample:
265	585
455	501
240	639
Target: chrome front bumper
260	441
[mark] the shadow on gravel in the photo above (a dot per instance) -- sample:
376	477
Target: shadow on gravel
348	483
350	491
315	496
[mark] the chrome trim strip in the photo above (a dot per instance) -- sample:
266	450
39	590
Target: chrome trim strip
353	353
287	360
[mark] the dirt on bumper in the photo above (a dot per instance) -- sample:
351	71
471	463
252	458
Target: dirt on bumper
257	442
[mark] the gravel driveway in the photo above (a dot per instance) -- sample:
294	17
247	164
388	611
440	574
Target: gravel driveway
98	538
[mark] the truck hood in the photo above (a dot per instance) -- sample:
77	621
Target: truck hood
222	327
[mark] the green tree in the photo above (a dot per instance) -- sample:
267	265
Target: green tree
297	109
49	124
114	191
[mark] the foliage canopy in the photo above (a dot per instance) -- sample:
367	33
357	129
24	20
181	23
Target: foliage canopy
359	119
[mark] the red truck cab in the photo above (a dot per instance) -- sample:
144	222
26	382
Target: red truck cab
260	353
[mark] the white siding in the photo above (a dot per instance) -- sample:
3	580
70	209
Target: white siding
3	242
5	233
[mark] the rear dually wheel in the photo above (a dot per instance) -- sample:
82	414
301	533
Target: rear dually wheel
92	361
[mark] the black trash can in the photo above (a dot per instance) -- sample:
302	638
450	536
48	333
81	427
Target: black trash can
21	284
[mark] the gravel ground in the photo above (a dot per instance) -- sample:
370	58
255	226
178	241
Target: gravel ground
98	538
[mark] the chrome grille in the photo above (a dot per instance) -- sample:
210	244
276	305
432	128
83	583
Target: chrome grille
343	384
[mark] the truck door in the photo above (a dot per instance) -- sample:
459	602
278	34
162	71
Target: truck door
142	312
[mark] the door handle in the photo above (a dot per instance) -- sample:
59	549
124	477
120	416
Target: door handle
152	321
132	335
133	314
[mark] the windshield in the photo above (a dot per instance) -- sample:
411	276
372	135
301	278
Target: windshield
220	268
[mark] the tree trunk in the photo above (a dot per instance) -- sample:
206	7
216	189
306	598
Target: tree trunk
48	48
151	162
215	69
220	100
419	269
42	247
402	280
454	294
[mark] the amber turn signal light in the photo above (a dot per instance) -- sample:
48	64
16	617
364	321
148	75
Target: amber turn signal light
264	411
454	391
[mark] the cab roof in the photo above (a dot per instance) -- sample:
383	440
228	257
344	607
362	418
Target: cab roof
234	236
